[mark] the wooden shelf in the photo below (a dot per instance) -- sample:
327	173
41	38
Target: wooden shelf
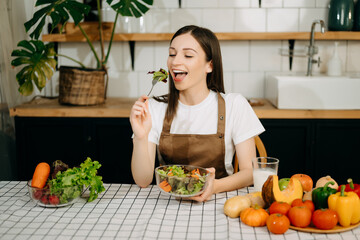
221	36
120	108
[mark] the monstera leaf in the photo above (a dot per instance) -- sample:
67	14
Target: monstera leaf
130	8
39	62
59	11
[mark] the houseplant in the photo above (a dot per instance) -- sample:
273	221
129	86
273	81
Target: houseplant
38	59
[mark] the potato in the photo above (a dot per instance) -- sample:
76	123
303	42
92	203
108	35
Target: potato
235	205
256	199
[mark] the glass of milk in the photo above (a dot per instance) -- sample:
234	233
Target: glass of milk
262	168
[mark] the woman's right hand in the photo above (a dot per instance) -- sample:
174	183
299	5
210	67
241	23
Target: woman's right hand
140	118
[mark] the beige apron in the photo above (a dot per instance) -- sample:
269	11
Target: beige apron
196	149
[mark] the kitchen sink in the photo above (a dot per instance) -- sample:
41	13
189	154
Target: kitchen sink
313	92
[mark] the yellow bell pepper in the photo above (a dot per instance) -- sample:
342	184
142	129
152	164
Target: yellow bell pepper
347	206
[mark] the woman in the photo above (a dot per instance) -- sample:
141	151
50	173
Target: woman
196	123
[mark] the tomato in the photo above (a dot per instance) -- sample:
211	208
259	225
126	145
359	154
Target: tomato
278	223
299	216
279	207
306	181
325	219
307	203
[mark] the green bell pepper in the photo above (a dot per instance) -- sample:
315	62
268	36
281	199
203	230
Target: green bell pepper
320	195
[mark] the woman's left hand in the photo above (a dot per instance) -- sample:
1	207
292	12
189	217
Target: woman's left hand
207	194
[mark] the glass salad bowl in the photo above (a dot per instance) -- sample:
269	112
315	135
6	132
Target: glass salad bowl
46	197
181	180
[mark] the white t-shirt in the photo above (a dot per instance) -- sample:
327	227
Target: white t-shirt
241	121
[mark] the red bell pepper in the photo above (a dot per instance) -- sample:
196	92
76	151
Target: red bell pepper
351	187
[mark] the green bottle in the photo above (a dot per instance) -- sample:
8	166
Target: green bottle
341	15
357	16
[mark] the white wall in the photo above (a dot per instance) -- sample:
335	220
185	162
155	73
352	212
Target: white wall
246	63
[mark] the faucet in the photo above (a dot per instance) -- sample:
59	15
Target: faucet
312	49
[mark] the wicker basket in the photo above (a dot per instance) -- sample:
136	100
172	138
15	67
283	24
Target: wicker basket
79	86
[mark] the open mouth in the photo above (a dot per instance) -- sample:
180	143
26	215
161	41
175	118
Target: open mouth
179	75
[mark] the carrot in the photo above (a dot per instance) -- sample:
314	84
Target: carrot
195	176
165	186
41	175
195	173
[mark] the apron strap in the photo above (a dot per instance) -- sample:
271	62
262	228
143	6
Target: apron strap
221	116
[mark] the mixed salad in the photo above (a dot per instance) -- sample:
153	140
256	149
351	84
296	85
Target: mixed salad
180	180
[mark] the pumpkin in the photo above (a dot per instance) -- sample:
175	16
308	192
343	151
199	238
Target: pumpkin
256	199
271	191
233	206
254	217
323	180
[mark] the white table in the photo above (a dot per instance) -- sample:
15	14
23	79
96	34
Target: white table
126	211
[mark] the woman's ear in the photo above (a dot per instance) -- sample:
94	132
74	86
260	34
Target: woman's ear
209	68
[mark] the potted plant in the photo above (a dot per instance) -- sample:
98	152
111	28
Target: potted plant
78	85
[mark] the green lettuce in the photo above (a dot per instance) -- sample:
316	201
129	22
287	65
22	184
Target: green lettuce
72	181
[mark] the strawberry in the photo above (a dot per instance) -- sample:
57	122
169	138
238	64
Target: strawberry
37	194
53	199
44	199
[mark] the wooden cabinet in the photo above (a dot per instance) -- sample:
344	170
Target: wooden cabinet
318	147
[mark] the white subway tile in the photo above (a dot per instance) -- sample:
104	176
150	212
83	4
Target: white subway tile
228	81
322	3
308	15
161	54
157	21
123	84
144	56
165	4
119	58
299	3
255	3
283	20
211	19
271	3
183	17
200	3
78	51
249	84
234	3
250	20
353	56
264	56
235	55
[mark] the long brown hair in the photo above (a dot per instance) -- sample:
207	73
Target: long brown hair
214	80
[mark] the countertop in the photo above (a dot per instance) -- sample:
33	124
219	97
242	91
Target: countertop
120	107
125	211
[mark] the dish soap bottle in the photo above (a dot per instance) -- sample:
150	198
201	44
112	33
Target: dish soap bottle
334	64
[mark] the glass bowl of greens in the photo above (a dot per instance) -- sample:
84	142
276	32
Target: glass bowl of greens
49	196
181	180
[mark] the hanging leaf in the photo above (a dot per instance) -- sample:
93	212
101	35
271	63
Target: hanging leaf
59	11
130	8
39	62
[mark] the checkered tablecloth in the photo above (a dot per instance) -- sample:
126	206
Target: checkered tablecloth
126	211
